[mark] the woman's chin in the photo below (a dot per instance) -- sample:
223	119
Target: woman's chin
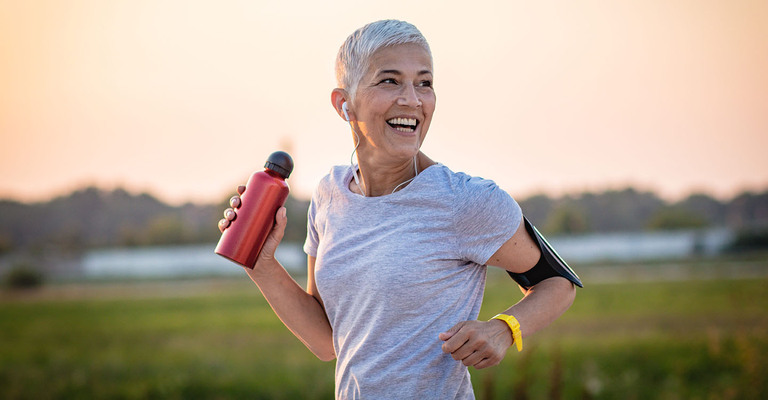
406	153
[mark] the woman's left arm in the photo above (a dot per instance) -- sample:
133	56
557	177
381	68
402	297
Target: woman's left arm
483	344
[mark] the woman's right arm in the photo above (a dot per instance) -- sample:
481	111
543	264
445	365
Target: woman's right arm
301	311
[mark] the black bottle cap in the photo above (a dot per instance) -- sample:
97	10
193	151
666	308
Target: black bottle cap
281	163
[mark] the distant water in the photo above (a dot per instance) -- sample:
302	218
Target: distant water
641	245
176	261
199	260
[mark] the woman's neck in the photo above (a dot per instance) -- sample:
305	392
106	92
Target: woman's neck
379	180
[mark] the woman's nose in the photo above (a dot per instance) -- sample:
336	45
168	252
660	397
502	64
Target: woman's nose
409	97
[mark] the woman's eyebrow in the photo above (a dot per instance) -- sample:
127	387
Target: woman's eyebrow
397	72
389	71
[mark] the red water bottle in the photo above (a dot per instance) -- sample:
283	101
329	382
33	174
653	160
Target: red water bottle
264	194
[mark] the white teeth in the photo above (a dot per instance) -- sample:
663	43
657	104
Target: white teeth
403	121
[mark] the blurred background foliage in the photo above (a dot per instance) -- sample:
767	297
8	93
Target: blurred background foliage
93	217
630	210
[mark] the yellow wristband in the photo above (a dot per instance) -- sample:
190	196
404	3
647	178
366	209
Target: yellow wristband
514	326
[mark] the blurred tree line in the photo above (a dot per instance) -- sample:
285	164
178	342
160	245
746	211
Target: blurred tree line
93	217
632	210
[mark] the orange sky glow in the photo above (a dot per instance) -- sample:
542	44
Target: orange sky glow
185	99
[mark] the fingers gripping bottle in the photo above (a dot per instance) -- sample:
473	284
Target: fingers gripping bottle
264	194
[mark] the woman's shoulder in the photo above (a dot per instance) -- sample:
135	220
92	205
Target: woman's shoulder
335	178
460	181
338	175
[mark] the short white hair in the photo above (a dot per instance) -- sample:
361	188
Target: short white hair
354	55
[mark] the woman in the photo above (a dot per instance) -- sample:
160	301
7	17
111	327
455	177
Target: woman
397	245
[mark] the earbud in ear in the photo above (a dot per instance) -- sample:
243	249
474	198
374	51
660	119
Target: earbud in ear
345	109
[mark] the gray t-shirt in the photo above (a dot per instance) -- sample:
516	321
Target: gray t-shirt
395	271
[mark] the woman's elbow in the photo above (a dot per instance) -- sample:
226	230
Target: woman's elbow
561	290
322	350
567	291
325	355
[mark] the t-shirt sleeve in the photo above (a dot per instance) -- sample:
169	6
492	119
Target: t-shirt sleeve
486	217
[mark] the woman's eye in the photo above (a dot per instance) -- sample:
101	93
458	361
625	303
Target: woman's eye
426	84
388	80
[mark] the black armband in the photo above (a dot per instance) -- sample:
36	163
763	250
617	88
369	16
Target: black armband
550	264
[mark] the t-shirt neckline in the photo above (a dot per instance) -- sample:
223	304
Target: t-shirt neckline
348	179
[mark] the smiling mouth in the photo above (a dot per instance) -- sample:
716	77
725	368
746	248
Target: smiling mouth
407	125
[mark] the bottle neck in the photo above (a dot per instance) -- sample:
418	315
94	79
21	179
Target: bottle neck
273	174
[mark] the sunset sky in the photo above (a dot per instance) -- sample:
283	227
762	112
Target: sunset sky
185	99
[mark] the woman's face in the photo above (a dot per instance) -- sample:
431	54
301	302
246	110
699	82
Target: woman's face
394	103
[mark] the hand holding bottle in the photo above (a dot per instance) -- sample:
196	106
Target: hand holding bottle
275	236
253	213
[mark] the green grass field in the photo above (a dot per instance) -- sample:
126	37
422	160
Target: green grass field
217	338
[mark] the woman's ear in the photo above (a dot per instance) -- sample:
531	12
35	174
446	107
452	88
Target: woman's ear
341	104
